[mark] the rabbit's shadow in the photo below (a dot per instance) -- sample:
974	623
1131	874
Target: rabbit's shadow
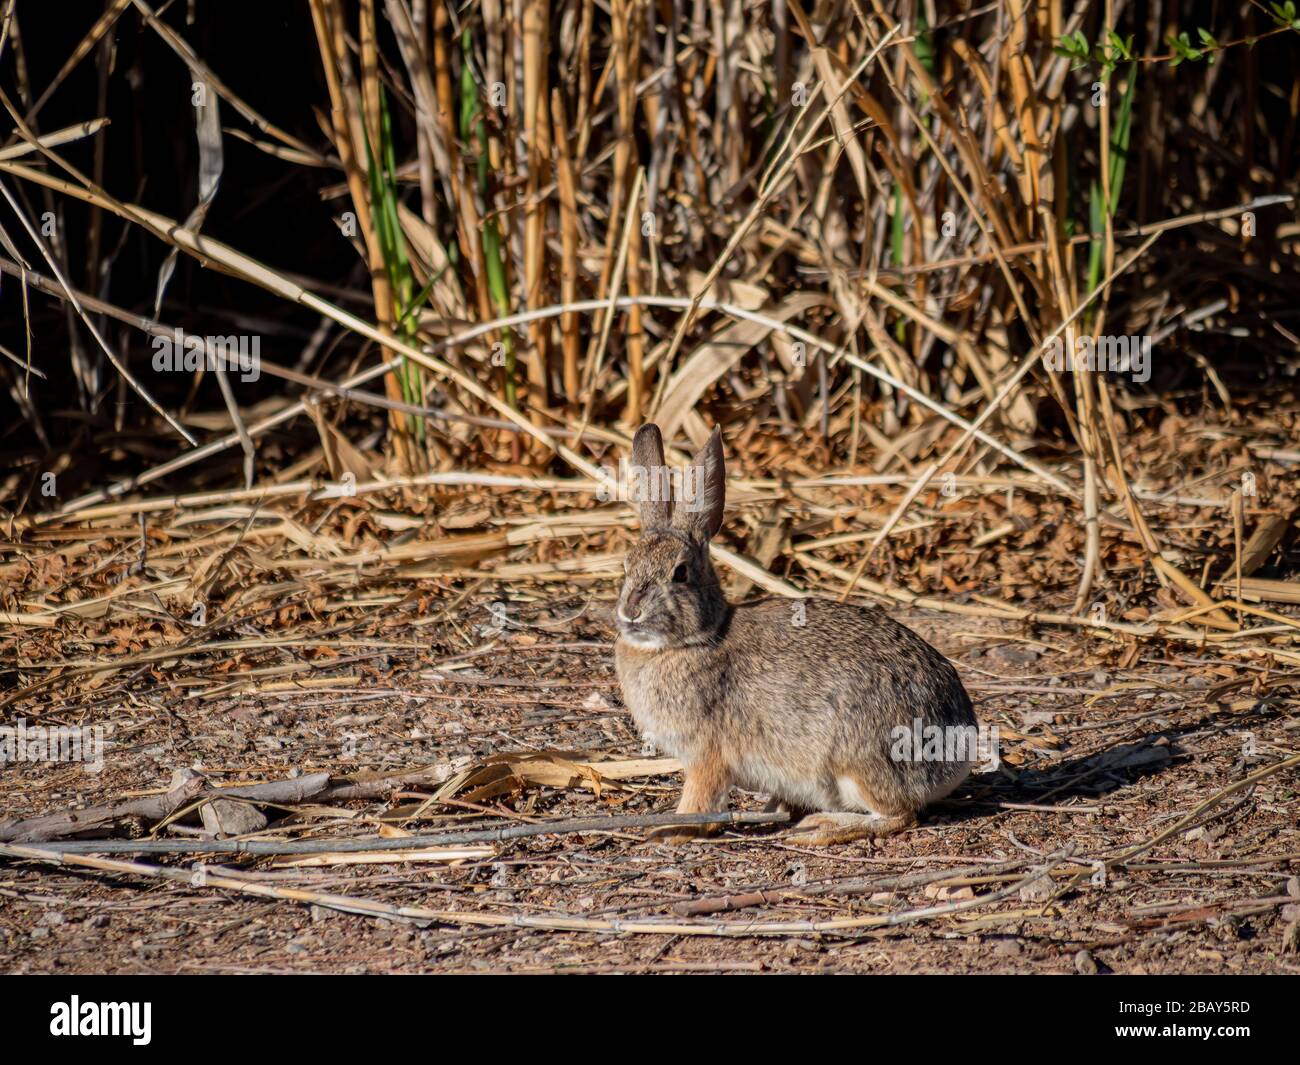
1090	776
1085	777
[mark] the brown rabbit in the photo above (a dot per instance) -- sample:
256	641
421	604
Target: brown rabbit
806	700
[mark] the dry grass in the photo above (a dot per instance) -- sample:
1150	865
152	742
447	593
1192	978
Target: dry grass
910	211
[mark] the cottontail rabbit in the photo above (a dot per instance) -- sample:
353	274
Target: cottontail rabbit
806	700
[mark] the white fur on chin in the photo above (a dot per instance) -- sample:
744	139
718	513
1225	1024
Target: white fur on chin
644	641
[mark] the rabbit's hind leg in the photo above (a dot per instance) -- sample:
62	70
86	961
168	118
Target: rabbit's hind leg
864	813
836	826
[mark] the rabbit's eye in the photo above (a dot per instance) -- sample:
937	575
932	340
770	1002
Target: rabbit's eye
680	573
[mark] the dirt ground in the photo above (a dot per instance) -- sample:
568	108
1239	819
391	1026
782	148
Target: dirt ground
1094	762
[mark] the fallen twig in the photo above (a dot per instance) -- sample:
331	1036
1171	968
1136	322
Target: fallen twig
488	835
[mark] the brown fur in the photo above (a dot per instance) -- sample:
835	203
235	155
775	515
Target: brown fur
799	699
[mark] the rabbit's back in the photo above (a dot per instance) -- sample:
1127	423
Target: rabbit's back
852	664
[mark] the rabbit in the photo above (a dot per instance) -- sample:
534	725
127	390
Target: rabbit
806	700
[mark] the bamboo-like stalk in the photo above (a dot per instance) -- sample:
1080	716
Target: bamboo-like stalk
350	131
569	249
537	135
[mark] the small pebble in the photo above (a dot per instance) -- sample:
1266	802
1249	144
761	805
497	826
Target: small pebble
1013	654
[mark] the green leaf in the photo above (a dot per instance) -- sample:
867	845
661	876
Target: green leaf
1285	14
1119	143
1120	47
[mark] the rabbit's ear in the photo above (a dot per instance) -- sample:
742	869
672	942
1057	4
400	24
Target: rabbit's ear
700	514
650	482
